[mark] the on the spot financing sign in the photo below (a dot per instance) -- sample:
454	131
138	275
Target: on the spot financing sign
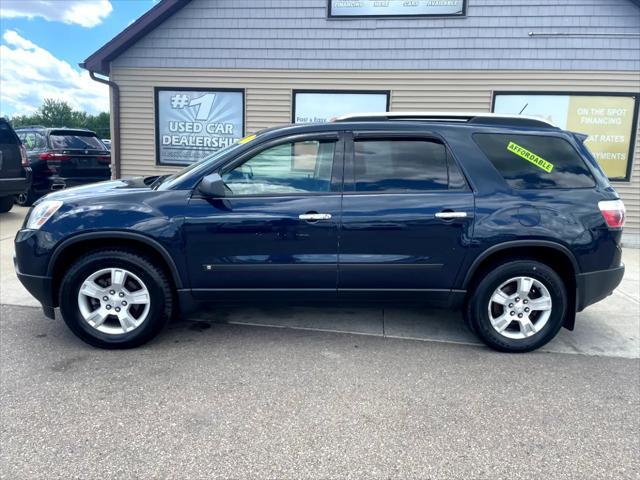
607	119
193	124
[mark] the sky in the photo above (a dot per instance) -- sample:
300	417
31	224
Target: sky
42	42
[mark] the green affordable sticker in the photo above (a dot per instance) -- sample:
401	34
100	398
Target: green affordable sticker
530	156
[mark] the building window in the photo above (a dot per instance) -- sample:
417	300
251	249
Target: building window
318	106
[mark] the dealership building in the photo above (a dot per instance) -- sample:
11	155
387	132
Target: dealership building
192	76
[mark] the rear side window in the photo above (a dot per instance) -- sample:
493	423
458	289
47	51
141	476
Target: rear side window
76	141
535	161
400	166
6	134
33	140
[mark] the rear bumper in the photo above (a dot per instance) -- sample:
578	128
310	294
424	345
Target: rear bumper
595	286
13	186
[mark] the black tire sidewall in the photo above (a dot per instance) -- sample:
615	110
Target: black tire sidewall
6	203
478	306
153	280
27	199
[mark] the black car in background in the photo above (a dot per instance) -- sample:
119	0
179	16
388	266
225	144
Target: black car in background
14	171
62	157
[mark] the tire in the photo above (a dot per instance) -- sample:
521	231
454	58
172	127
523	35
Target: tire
545	306
6	203
95	320
26	199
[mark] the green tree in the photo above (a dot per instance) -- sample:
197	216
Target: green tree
58	113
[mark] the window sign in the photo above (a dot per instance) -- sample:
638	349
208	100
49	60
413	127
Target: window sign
395	8
191	124
322	106
609	119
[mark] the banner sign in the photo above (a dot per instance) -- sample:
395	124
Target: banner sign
396	8
609	120
191	124
322	106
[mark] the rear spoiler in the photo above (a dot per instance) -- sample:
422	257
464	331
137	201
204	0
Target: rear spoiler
581	137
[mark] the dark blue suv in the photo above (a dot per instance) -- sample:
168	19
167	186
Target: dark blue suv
508	218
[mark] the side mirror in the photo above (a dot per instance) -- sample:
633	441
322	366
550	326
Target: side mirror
212	186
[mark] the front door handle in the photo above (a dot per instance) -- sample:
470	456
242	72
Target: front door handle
449	215
314	217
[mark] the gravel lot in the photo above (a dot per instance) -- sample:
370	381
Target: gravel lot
228	401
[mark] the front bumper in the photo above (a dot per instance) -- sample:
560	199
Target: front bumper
595	286
40	287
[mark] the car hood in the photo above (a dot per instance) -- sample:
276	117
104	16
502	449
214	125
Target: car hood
99	189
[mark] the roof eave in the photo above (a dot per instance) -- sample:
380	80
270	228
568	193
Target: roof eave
100	60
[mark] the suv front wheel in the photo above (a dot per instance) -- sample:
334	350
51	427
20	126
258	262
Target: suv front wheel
518	306
115	299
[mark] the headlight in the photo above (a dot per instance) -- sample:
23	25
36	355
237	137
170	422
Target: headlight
42	212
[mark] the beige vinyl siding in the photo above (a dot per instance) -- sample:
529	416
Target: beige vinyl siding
268	101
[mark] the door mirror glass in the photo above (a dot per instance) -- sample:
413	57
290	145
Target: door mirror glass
212	186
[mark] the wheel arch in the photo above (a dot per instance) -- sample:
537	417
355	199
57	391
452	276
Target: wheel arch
72	248
557	256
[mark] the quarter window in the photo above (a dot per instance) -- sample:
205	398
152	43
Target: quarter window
400	166
33	140
535	161
290	168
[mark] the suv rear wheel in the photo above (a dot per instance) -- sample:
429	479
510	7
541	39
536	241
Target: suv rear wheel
115	299
518	306
26	199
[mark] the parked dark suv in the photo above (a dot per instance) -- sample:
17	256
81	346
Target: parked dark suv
61	158
14	172
508	218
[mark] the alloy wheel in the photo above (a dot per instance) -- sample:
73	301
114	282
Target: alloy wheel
114	301
520	307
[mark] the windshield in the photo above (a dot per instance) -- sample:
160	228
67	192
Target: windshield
192	170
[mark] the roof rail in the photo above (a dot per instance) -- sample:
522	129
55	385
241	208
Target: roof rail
482	118
29	126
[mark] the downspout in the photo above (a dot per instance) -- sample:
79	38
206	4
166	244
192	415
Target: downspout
115	140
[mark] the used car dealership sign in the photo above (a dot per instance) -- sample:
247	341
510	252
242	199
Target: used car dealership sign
193	124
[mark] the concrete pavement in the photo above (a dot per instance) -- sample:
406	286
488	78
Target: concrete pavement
245	402
609	328
256	393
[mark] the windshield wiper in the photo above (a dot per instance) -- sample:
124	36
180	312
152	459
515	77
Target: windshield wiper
158	181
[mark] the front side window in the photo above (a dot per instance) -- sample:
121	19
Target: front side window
290	168
535	161
400	166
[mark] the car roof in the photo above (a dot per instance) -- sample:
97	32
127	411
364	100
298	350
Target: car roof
403	125
54	129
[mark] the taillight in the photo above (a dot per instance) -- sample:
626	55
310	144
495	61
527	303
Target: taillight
613	212
23	156
104	159
58	157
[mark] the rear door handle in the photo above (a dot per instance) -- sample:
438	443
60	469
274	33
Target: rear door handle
450	215
314	217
